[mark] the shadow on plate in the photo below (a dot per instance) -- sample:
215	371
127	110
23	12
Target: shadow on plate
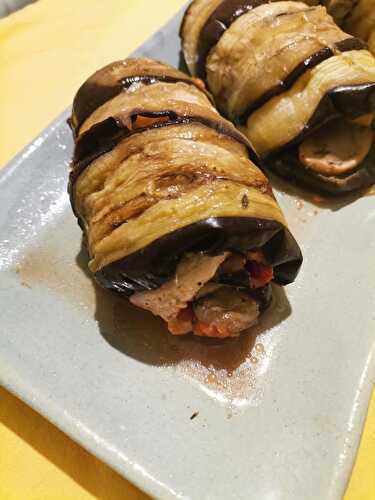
142	336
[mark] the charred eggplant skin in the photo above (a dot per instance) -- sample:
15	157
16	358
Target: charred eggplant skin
104	136
153	265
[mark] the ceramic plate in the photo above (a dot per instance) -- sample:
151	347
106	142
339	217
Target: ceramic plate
273	415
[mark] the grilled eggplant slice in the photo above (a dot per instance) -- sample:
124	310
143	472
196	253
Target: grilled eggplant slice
111	80
176	214
356	17
282	71
360	21
339	9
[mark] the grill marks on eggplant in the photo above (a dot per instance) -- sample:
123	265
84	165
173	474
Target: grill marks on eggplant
155	158
167	171
146	107
219	21
103	137
83	179
217	199
273	62
178	96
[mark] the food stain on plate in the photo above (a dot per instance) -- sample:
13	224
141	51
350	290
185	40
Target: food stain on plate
229	371
48	264
233	371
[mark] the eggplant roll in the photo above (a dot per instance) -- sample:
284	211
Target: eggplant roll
339	9
301	89
176	215
358	18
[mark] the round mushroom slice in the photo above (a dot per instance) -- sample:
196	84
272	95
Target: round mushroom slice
336	148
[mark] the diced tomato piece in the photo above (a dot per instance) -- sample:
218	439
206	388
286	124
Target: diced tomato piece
206	330
261	274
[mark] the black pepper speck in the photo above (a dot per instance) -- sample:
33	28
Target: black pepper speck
245	201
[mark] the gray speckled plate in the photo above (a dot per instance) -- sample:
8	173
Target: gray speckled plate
276	415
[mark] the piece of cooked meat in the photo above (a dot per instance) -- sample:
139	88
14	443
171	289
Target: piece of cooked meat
225	313
192	273
195	299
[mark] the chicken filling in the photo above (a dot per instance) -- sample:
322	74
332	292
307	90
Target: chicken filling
210	295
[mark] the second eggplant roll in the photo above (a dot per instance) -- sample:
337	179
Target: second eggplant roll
300	88
356	17
359	20
176	215
339	9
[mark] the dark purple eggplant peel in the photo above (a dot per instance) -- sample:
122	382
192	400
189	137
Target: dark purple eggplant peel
176	215
283	71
